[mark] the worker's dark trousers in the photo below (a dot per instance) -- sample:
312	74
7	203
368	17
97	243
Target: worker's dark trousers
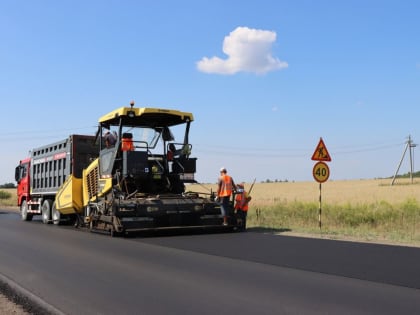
241	215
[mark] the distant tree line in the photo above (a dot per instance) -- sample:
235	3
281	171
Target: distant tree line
407	175
275	181
8	185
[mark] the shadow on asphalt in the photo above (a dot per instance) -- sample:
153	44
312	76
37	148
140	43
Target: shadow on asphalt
198	231
178	232
268	230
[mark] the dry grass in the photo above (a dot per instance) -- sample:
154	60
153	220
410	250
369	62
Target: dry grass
332	192
365	210
10	202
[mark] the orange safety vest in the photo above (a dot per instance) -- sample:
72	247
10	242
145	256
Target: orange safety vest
225	186
241	201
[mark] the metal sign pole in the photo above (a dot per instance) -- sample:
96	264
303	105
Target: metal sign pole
321	172
320	208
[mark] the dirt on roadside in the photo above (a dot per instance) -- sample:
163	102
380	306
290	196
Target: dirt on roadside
9	307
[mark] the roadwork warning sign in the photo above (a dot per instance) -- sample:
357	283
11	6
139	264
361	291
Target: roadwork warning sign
321	152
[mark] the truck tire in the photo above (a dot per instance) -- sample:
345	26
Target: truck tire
46	211
56	215
25	216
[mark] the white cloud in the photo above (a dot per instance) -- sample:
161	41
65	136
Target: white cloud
247	50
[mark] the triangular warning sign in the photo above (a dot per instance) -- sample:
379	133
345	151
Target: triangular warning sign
321	152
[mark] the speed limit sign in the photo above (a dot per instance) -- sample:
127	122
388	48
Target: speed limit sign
321	172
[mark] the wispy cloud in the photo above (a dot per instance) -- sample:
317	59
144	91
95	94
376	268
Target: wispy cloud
247	50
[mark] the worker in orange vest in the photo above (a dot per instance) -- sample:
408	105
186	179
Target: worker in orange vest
242	200
226	185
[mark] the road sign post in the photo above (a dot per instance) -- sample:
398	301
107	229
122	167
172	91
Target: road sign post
321	171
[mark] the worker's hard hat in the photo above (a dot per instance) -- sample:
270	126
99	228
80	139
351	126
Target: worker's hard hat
222	169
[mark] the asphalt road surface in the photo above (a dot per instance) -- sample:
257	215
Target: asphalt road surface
70	271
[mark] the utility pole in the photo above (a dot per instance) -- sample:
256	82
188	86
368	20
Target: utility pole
409	145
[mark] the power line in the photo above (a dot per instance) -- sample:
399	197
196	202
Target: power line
377	148
285	153
209	149
18	132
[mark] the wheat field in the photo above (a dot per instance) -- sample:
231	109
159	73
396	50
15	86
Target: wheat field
332	192
362	210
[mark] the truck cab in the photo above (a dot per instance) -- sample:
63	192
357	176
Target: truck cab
22	178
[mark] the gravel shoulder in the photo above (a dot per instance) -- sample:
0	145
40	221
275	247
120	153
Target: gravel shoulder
9	307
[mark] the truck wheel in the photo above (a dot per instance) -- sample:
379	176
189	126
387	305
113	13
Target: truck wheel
56	215
25	216
46	211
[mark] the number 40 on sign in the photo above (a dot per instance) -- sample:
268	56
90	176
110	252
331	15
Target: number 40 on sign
321	172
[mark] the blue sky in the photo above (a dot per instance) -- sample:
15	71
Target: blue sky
264	79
